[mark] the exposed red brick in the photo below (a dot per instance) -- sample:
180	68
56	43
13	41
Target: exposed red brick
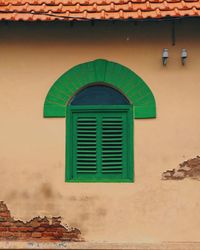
56	221
3	207
36	235
47	234
58	234
186	169
34	222
26	235
37	229
19	223
5	234
5	214
40	229
52	229
5	223
60	229
21	229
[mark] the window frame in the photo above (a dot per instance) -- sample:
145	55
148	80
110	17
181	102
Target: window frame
69	134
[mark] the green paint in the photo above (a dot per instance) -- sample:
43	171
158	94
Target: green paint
114	74
99	143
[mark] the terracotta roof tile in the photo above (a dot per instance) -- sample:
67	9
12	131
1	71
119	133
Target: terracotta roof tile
49	10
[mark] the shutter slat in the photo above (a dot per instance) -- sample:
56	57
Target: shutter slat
111	140
112	132
80	132
86	147
113	163
89	156
85	151
87	127
85	138
86	171
111	151
86	164
116	171
86	168
109	136
110	159
88	144
112	120
88	161
118	168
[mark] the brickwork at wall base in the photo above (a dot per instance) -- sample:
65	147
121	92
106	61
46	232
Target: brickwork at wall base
38	229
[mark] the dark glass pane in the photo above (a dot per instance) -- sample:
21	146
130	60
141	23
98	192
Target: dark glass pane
99	95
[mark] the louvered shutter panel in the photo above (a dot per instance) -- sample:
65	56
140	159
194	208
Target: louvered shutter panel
85	158
114	143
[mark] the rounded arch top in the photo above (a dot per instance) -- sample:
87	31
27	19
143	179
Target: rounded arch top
99	94
89	73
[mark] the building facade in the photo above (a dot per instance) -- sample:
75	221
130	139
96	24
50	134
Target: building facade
63	85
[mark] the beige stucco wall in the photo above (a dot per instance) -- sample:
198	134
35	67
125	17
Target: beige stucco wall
32	148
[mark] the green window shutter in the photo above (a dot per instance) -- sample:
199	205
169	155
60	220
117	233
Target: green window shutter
113	143
85	144
99	147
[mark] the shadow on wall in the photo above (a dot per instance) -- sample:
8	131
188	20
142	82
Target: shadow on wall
187	169
37	229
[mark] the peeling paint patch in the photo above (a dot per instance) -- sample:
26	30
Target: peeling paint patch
186	169
37	229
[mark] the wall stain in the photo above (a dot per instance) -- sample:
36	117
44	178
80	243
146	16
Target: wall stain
37	229
86	208
101	212
25	195
12	195
84	216
72	198
47	191
187	169
86	198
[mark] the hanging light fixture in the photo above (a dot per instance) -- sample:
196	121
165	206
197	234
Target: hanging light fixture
165	56
183	56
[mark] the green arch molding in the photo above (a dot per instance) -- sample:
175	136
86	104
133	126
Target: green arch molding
117	75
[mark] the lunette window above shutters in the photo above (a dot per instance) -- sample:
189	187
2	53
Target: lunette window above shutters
100	143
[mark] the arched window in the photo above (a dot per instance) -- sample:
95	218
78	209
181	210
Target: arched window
99	100
99	132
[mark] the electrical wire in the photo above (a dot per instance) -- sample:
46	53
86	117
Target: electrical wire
42	13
